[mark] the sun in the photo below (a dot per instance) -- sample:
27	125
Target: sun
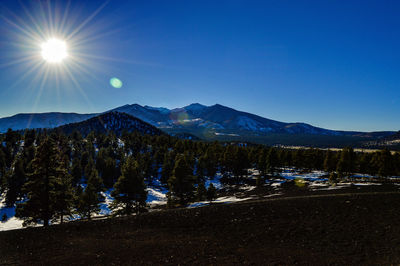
54	50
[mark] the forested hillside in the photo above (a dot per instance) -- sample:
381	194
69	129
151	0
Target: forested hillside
51	176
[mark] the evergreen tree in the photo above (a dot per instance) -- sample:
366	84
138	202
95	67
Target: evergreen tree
15	181
241	164
364	163
40	186
91	197
201	192
110	172
90	166
333	178
3	180
330	161
383	163
63	191
167	168
181	183
130	190
346	163
272	162
76	171
146	166
261	161
211	193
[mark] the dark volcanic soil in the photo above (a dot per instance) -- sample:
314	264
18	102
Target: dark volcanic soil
318	230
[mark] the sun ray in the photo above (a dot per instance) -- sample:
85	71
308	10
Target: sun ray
39	94
18	61
51	22
80	89
64	19
31	35
35	67
82	69
33	20
106	58
87	20
84	39
44	18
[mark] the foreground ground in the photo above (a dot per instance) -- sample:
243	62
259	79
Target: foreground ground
351	226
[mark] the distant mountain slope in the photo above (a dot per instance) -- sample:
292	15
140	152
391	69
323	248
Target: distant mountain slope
151	115
220	119
391	141
112	121
40	120
216	122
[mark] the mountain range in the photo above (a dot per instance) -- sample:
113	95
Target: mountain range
206	122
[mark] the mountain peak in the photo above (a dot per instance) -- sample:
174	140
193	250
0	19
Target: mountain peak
194	107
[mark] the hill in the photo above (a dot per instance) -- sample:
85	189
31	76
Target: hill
112	121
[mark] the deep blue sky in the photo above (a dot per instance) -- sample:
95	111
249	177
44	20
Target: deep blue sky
334	64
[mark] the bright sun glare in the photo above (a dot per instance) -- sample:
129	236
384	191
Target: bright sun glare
54	50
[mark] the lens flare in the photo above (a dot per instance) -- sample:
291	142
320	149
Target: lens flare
116	83
54	51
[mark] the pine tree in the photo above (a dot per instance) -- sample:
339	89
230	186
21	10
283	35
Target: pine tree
211	193
146	164
333	178
166	168
90	166
272	162
383	163
330	161
63	191
110	172
91	197
241	164
181	183
76	171
3	180
130	190
15	181
346	163
201	192
261	162
40	186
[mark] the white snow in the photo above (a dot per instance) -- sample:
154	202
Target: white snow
156	196
290	173
226	134
248	123
11	222
226	199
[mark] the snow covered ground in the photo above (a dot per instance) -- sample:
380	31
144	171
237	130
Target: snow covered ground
11	222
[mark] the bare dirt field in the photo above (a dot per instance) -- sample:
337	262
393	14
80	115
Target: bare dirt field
344	227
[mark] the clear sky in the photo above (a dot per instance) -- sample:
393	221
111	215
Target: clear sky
333	64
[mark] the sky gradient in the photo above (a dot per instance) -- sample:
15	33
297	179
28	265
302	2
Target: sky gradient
332	64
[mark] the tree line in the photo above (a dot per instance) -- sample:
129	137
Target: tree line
49	176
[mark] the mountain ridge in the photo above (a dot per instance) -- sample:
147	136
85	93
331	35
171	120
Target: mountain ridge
195	118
